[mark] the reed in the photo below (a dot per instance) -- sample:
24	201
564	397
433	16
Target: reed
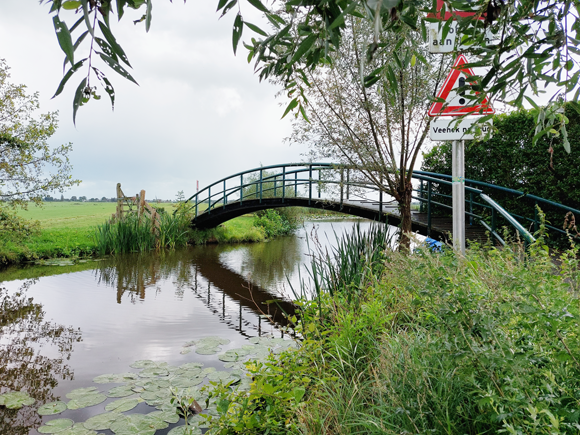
135	235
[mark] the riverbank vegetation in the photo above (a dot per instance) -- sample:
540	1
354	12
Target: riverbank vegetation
83	229
424	343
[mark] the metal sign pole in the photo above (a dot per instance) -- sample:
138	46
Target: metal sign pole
458	183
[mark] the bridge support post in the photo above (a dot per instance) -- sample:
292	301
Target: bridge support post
241	189
458	189
283	183
429	190
341	187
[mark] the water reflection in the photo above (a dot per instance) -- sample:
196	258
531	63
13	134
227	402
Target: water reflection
199	270
23	331
265	264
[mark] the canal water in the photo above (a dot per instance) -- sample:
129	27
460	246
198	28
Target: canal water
87	323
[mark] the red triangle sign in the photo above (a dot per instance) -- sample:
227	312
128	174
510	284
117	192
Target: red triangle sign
456	104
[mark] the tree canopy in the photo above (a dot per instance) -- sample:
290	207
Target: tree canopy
534	50
29	166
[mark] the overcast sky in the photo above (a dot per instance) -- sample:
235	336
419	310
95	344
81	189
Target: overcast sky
199	112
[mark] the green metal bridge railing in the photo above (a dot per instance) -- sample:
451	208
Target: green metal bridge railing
340	182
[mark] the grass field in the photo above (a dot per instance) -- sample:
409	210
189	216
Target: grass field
68	228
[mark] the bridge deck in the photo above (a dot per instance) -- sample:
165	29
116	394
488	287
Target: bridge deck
441	227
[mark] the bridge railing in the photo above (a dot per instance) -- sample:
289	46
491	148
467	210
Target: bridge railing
277	181
340	183
527	214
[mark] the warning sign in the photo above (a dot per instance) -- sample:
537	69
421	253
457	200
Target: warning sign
455	102
457	13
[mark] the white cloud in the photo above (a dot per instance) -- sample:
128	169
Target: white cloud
199	112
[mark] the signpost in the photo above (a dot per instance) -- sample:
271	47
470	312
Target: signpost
452	102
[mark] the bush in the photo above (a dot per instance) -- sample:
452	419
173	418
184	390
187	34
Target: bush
274	223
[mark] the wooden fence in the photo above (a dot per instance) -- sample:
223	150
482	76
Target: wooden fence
136	205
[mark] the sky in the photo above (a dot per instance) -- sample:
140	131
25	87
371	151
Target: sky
199	112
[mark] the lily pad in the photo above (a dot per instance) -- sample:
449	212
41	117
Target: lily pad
212	341
115	378
16	399
169	416
182	430
191	365
185	350
206	350
123	405
186	381
102	421
55	426
157	383
233	355
143	364
80	392
235	365
151	372
137	424
77	429
121	391
52	408
153	395
89	399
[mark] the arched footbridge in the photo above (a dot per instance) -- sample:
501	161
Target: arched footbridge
334	187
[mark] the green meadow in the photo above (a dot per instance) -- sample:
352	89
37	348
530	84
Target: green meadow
67	229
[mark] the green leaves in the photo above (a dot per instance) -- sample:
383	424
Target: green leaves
113	43
64	38
237	31
115	66
79	98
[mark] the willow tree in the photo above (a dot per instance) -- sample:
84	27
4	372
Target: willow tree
378	130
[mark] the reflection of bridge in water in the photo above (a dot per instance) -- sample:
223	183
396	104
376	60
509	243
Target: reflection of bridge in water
236	301
343	189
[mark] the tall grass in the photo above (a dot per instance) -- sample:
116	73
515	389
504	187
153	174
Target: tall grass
132	234
353	263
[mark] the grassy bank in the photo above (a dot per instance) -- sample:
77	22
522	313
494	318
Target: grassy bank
67	229
425	343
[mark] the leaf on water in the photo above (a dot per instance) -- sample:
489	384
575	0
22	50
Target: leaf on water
213	339
206	350
123	405
102	421
137	424
80	392
186	381
169	416
153	395
52	408
57	425
185	350
182	430
16	399
143	363
115	378
121	391
233	355
89	399
192	365
152	372
156	383
77	429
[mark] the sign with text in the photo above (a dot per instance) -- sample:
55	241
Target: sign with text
438	44
455	103
444	128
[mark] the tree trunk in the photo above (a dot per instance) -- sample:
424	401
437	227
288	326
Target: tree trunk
406	223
